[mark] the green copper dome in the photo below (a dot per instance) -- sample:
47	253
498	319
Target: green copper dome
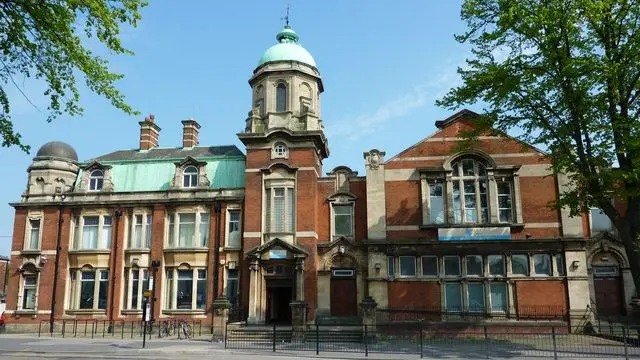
287	49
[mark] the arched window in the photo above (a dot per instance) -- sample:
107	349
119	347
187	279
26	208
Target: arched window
470	191
190	177
280	150
96	180
281	97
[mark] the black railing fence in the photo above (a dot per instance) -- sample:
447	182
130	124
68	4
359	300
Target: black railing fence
123	329
435	340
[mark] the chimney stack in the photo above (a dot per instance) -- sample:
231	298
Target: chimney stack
149	133
190	131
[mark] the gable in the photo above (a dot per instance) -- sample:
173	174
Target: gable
433	150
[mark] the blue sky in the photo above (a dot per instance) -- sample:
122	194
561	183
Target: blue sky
383	65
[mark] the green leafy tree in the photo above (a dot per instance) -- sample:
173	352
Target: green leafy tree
567	74
41	39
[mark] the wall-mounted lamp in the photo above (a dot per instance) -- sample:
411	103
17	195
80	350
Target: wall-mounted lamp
341	249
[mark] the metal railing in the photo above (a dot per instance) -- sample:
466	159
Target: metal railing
122	329
425	340
531	313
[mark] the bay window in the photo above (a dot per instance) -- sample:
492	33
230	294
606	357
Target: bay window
92	232
188	230
342	220
186	289
140	231
279	209
89	289
136	282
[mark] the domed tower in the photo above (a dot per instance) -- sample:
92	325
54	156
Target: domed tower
285	144
53	170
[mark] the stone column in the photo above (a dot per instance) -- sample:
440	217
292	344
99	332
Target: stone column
220	316
298	319
254	291
368	308
299	278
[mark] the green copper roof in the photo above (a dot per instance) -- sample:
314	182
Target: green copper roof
287	49
153	170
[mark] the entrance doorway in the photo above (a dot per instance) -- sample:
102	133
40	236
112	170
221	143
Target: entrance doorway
607	286
343	293
279	296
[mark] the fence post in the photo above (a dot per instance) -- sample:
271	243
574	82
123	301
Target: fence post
93	328
366	341
553	337
226	334
624	339
486	342
122	335
421	339
86	323
274	337
75	328
317	339
39	328
64	325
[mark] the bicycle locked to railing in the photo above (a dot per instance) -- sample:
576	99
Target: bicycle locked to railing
170	328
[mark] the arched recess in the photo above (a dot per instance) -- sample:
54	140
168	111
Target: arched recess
471	153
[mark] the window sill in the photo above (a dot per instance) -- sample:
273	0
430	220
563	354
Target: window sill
232	248
137	251
184	312
86	312
26	312
92	251
30	252
131	312
187	249
471	225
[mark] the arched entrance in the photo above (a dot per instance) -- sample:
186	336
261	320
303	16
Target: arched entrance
607	284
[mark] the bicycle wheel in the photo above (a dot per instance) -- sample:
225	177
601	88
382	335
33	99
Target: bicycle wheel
171	329
187	331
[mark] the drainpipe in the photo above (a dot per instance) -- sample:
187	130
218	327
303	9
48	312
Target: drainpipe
55	266
114	256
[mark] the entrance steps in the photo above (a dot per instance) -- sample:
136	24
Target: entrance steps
339	320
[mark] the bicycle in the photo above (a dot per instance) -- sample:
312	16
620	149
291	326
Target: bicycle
167	328
185	329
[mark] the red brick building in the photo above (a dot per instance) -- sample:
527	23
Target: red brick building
431	228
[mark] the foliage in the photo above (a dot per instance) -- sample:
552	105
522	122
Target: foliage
566	73
42	39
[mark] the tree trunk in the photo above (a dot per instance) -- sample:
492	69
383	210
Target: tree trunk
629	232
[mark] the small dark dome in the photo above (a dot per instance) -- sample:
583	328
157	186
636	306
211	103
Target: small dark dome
57	149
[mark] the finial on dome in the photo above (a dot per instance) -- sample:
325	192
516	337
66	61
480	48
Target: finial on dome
286	18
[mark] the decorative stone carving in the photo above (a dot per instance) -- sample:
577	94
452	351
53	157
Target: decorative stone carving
374	158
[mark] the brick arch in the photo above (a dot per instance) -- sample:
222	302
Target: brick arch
477	153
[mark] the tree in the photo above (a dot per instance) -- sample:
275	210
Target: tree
566	73
42	39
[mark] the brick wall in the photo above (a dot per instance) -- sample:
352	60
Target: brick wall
414	295
540	297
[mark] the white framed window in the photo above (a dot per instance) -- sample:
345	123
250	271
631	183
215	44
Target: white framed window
280	150
188	229
520	264
96	180
342	220
451	265
234	235
436	203
34	233
89	288
186	289
453	297
407	266
28	300
92	232
474	266
542	264
136	282
281	97
429	265
505	201
470	192
190	177
475	297
279	210
497	265
498	297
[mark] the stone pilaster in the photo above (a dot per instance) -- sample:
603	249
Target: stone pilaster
220	316
376	213
298	319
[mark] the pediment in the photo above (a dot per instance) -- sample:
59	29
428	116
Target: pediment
190	161
96	165
277	249
342	197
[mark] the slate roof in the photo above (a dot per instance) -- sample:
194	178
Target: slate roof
171	153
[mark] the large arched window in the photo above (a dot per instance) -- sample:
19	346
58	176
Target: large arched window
281	97
190	177
470	191
96	180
